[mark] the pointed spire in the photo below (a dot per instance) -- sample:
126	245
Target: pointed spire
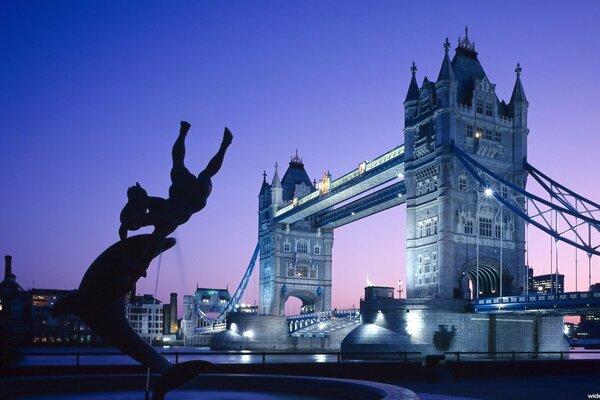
413	87
265	186
276	181
518	93
446	71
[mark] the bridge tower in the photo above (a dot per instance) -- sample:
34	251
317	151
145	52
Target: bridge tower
456	232
295	259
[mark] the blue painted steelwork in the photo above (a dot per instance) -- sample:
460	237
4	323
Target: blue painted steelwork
565	195
237	296
561	303
397	192
239	293
516	203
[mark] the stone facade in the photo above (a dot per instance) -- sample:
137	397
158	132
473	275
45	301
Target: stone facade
295	259
455	232
438	326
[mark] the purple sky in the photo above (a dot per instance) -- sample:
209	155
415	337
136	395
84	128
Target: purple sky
91	95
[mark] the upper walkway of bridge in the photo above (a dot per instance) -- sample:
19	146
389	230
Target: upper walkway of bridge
368	175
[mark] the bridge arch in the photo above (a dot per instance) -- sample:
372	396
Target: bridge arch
310	301
488	273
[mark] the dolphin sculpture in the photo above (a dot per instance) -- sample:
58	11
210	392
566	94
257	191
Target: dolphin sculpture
101	298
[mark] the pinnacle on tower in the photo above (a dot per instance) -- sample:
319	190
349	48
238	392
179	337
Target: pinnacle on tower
276	181
518	93
465	43
413	87
446	71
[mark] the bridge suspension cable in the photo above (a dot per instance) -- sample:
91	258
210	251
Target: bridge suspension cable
237	296
578	216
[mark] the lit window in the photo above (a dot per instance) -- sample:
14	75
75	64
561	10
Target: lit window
301	271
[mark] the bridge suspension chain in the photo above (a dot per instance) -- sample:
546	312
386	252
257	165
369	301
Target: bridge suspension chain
578	216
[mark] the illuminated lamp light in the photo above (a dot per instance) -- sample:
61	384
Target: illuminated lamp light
478	134
414	323
488	192
233	327
249	334
400	175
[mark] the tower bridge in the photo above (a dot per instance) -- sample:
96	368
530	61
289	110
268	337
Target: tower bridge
462	174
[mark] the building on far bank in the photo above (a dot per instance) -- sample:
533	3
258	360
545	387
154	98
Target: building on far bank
548	283
65	329
145	315
26	319
14	307
170	322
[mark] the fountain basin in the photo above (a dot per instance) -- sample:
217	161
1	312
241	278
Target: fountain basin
209	387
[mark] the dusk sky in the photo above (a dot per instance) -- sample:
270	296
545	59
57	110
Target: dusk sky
92	92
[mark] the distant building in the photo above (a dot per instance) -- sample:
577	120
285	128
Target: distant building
170	322
375	292
14	307
145	315
66	329
25	315
198	308
549	283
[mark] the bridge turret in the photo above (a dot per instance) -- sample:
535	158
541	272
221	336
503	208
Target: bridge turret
412	96
276	190
446	82
518	107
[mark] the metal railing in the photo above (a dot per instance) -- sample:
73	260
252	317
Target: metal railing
245	357
513	355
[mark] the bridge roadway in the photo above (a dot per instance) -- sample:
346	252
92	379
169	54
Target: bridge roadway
385	169
557	304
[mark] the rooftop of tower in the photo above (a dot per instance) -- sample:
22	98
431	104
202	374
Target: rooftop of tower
295	175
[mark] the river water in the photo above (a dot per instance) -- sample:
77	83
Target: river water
38	356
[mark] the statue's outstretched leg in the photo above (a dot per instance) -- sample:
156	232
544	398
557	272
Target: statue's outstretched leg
215	163
178	152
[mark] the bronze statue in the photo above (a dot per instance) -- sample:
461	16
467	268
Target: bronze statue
101	298
187	194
